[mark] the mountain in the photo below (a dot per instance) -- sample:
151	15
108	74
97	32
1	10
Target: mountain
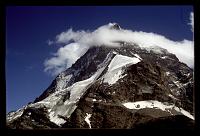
114	87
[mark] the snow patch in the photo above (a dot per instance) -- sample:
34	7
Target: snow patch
164	57
172	97
56	119
87	117
114	52
114	72
120	60
136	55
113	77
94	100
14	115
62	80
188	74
155	104
167	73
178	84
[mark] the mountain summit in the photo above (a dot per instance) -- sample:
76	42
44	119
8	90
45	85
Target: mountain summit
114	87
114	26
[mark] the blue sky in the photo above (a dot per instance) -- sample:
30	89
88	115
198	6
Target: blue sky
29	28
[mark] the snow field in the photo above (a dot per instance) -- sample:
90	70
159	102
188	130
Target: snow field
155	104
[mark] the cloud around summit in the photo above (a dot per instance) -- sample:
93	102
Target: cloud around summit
78	42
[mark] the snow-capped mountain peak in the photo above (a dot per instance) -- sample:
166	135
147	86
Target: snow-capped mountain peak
109	86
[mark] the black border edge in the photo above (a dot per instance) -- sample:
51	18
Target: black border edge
196	65
2	70
97	2
101	132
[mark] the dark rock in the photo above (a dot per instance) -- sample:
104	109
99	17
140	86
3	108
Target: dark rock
168	122
32	118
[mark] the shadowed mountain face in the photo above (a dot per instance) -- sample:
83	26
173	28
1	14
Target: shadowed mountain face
123	87
170	122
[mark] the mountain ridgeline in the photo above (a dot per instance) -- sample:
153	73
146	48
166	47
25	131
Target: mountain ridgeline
115	87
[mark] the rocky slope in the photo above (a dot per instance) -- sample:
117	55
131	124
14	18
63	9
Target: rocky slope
123	87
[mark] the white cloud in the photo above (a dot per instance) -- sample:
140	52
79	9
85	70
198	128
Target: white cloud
49	42
82	40
192	21
64	58
66	37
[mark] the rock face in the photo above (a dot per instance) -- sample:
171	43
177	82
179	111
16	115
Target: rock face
32	118
123	87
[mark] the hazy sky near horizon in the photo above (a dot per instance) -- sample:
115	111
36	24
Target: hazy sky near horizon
29	31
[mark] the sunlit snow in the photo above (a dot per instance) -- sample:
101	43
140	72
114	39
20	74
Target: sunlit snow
136	55
167	73
155	104
62	81
15	115
94	100
172	97
164	57
87	119
115	72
